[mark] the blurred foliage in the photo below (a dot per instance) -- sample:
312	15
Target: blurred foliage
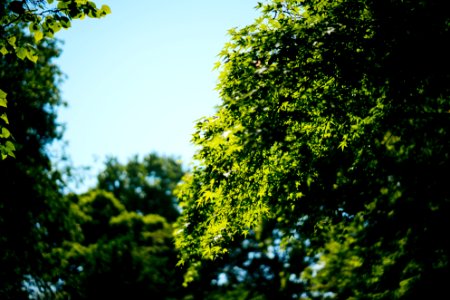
144	185
334	124
119	254
32	210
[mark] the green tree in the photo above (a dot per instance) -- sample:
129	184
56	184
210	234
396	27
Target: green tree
124	247
144	185
42	19
119	254
334	124
32	211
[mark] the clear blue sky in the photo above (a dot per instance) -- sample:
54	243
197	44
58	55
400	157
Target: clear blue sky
138	79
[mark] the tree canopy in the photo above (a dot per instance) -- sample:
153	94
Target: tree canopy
334	124
118	253
34	216
41	19
32	213
144	185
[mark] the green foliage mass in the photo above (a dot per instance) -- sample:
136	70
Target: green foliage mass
334	124
41	19
32	210
118	254
89	246
145	185
258	267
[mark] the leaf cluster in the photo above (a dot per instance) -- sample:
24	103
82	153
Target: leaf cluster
40	19
333	124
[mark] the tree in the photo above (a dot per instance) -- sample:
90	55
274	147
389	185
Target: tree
32	211
119	253
144	186
42	19
124	243
333	124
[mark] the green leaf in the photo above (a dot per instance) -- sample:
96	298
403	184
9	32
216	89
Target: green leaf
21	53
106	9
3	50
7	150
55	26
38	35
4	118
65	22
217	65
3	101
342	145
27	52
32	57
62	5
34	26
5	133
10	148
12	41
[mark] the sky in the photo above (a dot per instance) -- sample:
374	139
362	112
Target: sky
138	79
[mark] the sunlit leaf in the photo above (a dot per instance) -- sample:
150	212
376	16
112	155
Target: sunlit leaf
38	35
4	117
12	41
3	50
3	101
106	9
5	133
